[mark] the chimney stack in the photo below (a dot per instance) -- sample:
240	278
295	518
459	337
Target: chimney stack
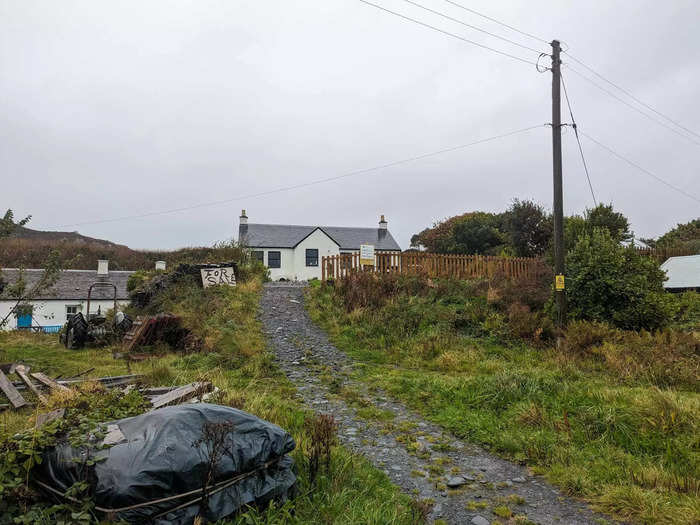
242	228
160	265
102	268
382	223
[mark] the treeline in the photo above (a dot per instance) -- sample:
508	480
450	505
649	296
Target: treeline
525	230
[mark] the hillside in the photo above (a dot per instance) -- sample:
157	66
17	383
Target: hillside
22	232
31	248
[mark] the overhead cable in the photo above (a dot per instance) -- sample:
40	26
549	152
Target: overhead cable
309	183
453	35
640	168
578	139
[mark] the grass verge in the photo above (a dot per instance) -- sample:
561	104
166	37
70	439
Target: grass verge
626	442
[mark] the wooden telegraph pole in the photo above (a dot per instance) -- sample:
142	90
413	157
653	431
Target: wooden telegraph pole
560	293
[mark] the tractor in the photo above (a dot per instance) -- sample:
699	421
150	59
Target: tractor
93	327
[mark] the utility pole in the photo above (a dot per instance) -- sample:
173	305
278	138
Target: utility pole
559	291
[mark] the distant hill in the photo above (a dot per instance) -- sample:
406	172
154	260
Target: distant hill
30	249
74	237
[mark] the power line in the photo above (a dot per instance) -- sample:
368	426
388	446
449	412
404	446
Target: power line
497	21
640	168
578	139
310	183
476	28
448	33
638	110
637	100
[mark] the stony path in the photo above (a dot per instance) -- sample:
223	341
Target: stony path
463	483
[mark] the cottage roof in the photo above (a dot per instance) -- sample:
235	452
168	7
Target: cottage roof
682	271
72	284
288	236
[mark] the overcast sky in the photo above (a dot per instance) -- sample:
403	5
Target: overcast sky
112	109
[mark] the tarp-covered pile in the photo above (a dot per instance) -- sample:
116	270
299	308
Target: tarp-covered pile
156	464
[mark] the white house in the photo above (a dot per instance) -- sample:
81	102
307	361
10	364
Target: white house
66	297
294	252
683	273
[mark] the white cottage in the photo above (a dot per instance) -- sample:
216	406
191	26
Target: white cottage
66	297
294	252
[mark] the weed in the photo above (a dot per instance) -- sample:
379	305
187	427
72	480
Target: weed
322	430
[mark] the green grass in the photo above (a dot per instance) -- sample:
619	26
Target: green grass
235	359
619	441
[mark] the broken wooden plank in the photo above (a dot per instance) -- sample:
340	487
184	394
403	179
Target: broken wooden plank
46	380
42	419
11	392
181	394
109	382
22	372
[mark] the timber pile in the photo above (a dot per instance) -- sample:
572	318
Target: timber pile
149	329
159	397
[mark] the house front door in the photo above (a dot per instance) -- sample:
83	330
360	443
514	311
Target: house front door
24	321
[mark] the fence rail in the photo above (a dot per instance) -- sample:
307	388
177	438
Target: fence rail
663	253
430	264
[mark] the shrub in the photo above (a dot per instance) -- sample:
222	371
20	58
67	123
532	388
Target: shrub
581	336
536	327
608	282
687	314
663	358
533	289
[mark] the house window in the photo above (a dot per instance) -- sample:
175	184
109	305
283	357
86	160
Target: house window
311	257
274	260
71	310
258	255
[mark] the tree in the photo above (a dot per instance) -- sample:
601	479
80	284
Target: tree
529	228
21	291
478	234
687	235
612	283
604	217
8	224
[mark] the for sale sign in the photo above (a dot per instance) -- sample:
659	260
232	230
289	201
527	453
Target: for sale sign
216	276
367	255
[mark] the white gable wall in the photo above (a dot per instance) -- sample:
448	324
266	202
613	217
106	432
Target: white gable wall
325	246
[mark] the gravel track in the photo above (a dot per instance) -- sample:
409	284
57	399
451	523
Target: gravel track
415	454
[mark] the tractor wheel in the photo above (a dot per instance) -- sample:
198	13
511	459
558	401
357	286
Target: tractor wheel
77	332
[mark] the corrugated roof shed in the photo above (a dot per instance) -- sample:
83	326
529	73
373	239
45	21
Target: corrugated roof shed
72	284
682	272
288	236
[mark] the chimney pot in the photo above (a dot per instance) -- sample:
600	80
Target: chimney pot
160	265
243	218
382	223
102	267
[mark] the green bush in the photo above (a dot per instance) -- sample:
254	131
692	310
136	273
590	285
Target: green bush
687	315
611	283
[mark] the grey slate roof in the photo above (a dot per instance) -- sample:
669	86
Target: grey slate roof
682	272
72	284
288	236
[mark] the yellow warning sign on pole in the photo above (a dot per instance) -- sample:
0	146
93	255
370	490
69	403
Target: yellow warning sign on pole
559	282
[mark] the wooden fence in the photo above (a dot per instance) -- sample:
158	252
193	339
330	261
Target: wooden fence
663	253
430	264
